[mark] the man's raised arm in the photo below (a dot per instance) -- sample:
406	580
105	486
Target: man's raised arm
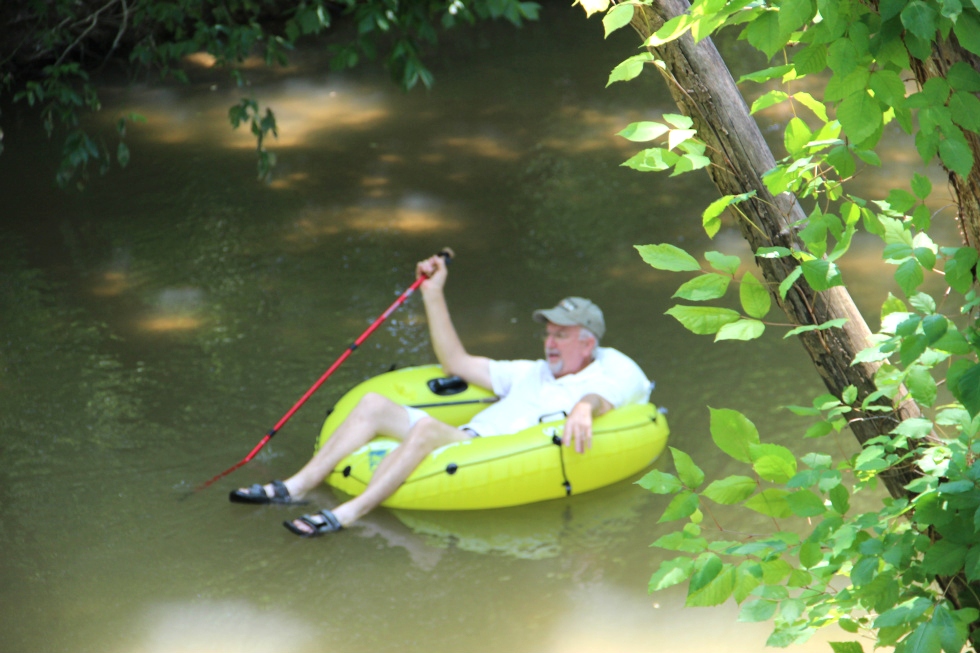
445	342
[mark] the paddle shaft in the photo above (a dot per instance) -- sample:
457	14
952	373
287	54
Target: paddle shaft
446	254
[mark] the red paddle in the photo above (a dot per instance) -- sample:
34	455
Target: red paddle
447	254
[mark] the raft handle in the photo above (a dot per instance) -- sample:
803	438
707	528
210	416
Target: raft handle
447	385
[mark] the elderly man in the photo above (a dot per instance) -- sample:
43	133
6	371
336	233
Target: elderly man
576	377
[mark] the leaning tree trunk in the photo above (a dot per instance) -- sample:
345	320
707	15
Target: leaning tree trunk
704	90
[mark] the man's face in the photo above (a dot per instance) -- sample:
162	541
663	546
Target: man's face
565	351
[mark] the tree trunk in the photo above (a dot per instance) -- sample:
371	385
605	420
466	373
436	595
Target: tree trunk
704	90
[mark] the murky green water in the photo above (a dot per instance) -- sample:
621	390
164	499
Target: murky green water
155	325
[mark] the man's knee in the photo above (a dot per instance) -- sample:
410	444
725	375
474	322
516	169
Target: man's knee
429	433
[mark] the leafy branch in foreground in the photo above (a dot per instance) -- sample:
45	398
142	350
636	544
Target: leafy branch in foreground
908	573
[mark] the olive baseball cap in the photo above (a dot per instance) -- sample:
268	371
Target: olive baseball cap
574	311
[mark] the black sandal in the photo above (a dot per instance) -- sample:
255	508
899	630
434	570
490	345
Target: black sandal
322	522
257	494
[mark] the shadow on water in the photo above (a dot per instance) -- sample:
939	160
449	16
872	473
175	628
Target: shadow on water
154	326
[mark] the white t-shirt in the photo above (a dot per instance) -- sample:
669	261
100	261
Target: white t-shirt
529	391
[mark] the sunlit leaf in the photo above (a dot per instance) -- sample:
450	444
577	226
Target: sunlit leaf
704	287
724	262
630	68
703	320
660	482
682	505
860	115
773	462
670	573
829	324
754	297
764	34
741	330
805	503
668	257
730	490
690	474
733	433
956	155
617	17
771	502
644	131
711	583
771	98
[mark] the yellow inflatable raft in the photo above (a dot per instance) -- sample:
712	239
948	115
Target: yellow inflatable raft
498	471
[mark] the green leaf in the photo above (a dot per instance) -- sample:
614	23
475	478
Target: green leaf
629	69
754	296
668	257
787	283
672	29
805	503
704	287
959	269
727	263
670	573
681	506
920	19
741	330
963	77
711	583
654	159
773	462
860	116
921	186
757	610
964	381
771	502
794	13
617	17
821	274
711	218
953	632
730	490
830	324
909	276
690	474
964	108
660	482
764	34
733	433
703	320
957	156
769	99
643	131
678	120
818	108
811	59
689	163
924	639
967	30
796	136
761	76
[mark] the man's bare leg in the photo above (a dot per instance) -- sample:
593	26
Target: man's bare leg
372	416
426	436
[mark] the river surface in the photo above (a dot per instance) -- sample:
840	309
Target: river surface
156	324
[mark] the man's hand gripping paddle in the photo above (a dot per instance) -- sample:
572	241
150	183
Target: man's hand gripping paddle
447	254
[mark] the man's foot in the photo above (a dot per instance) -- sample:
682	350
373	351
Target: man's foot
277	492
314	525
